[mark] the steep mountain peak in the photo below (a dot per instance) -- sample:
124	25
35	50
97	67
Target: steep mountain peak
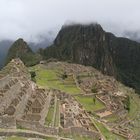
20	49
21	45
91	45
79	31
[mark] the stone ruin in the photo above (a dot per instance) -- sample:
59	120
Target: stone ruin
20	99
24	105
107	91
74	117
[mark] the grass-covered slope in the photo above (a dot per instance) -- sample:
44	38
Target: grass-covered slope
52	79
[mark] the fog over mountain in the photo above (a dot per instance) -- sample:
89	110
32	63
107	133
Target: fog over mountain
134	35
4	46
39	21
29	18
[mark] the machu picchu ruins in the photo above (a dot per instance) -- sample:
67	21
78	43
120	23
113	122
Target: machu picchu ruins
82	102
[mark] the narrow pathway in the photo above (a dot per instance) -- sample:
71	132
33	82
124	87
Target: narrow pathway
54	113
45	110
28	134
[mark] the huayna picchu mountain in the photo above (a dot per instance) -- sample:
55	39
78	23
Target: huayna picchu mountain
20	49
91	45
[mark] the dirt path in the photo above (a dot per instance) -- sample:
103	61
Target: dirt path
28	134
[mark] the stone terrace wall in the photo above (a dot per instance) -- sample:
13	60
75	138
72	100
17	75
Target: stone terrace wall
4	81
35	126
23	134
81	131
7	122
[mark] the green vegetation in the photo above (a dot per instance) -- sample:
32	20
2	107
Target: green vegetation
51	78
127	103
49	116
57	115
89	104
94	89
15	138
20	49
134	106
112	118
33	75
20	127
108	134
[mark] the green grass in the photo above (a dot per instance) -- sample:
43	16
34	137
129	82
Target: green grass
112	118
108	134
134	112
50	78
15	138
57	115
134	107
88	103
49	117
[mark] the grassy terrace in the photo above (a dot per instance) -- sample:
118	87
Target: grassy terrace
15	138
134	106
51	79
134	112
88	103
49	116
108	134
113	118
57	115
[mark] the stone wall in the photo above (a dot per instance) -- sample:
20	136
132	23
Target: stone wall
81	131
23	134
7	122
35	126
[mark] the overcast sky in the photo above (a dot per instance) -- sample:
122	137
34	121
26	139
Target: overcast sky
31	18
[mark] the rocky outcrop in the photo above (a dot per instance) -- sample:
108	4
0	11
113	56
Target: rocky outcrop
91	45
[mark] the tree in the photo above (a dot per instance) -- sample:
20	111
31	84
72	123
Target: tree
94	99
33	75
127	103
64	75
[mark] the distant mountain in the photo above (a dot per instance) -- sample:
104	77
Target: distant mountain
91	45
4	46
20	49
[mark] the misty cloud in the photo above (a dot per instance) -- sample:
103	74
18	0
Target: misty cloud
32	18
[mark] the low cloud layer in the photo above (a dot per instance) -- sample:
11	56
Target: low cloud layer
31	18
